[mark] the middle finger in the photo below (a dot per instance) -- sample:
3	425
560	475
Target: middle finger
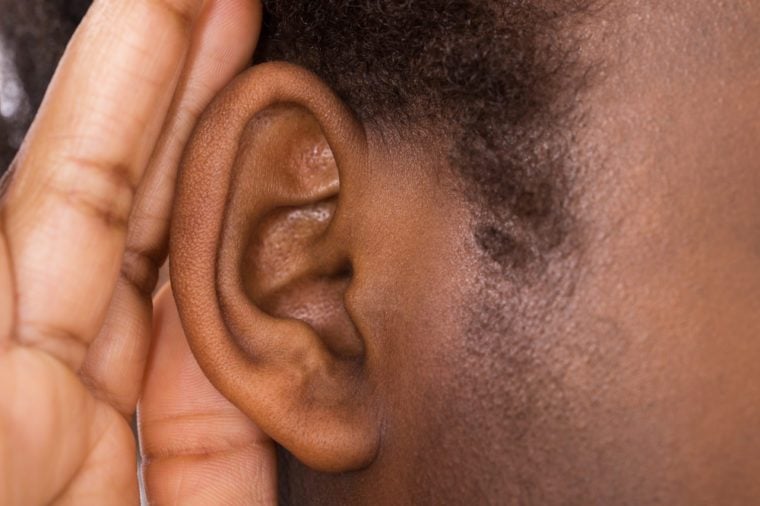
222	46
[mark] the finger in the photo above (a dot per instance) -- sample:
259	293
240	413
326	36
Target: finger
197	448
7	290
221	47
66	211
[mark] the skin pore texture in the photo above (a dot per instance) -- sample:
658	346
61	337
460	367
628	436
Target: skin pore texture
453	255
614	364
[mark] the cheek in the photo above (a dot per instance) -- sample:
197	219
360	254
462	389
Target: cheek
410	295
410	301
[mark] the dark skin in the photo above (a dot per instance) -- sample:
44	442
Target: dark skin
330	289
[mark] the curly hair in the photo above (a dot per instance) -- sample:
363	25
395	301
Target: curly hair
497	77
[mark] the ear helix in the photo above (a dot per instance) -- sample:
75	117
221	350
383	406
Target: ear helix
307	392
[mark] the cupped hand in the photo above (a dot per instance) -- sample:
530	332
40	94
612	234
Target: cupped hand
83	230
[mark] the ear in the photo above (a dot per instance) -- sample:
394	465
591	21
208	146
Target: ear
261	260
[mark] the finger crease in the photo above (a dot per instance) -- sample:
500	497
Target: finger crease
101	392
105	194
66	346
140	270
121	174
95	208
201	451
182	12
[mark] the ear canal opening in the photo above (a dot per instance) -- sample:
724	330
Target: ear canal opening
260	260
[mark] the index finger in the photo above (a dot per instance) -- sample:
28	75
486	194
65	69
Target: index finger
65	215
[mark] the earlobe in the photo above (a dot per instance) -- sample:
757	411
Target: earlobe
261	261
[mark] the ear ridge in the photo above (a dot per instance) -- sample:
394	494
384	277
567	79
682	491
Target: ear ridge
278	371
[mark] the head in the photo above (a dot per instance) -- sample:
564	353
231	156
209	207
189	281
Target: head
486	251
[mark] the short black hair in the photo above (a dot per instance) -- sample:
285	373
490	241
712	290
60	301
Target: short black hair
498	77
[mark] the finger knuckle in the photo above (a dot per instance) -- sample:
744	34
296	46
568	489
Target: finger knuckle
140	270
105	390
158	445
182	12
102	190
55	340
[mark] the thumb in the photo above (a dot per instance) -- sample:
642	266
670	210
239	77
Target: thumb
197	448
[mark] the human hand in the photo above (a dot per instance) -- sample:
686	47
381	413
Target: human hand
83	231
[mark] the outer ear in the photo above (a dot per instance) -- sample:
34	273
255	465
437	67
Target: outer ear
260	261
